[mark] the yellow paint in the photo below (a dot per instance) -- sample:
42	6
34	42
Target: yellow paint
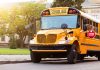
99	28
83	49
49	50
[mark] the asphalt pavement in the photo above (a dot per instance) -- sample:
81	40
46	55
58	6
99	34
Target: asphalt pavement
55	64
7	59
23	62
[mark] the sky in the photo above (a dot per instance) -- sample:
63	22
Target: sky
4	2
12	1
91	3
8	3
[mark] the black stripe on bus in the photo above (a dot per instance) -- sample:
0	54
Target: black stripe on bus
89	44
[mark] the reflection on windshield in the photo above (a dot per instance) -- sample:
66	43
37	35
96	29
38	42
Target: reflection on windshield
59	22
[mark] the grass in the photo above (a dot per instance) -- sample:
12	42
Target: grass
8	51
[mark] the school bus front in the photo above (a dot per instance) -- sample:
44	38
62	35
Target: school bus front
58	36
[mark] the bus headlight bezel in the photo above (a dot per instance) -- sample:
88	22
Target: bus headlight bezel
63	41
31	41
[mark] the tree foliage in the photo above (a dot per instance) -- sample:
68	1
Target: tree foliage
68	3
3	21
18	17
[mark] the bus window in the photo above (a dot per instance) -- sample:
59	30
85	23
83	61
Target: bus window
85	24
95	26
54	22
78	22
85	21
82	22
90	22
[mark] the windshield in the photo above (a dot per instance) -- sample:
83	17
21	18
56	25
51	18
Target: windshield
58	22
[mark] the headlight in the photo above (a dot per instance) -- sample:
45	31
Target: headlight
63	41
71	38
31	41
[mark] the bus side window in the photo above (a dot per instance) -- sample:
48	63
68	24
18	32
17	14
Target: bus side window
78	22
95	26
90	22
91	25
85	24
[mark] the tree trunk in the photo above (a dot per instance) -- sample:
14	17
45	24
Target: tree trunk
21	42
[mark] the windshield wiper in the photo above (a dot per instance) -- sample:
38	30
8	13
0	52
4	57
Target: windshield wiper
53	28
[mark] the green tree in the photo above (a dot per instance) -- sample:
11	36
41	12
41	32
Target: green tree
20	19
68	3
3	21
22	15
16	26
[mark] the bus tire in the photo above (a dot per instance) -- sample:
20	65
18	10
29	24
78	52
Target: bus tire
72	56
35	57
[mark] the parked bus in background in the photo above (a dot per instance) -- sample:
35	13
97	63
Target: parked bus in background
66	33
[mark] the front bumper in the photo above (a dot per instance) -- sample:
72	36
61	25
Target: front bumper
49	48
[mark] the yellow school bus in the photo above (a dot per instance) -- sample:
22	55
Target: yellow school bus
64	34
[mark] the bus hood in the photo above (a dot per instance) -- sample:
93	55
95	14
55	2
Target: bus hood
49	36
52	36
50	31
53	31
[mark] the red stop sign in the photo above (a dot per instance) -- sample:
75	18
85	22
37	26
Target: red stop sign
91	34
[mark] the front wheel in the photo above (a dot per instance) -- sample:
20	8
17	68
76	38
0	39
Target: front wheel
35	57
72	56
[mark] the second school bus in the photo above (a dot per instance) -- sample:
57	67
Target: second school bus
64	34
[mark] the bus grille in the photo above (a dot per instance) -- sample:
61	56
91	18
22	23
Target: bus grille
50	38
41	38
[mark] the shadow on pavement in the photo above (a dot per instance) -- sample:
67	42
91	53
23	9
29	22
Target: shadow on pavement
13	62
64	61
51	61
